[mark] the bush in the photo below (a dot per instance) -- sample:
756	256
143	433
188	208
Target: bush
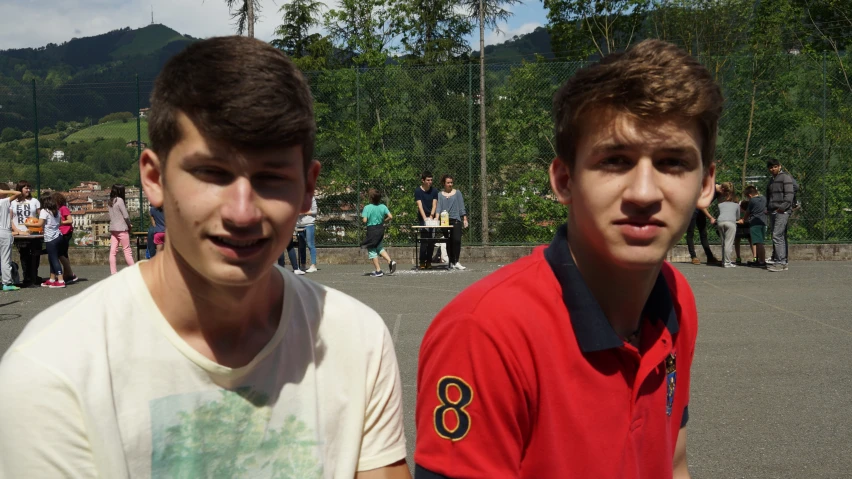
46	131
28	134
10	134
124	116
61	125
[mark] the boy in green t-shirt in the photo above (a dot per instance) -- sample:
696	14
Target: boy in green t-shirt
375	215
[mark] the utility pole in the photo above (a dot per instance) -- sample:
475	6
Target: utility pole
483	167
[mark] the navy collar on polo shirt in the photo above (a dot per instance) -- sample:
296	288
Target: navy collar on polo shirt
593	331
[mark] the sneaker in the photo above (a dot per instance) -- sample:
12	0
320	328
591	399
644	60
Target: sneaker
777	267
696	261
459	267
377	274
739	261
392	267
10	287
298	272
57	284
312	269
730	265
47	284
770	261
74	279
713	262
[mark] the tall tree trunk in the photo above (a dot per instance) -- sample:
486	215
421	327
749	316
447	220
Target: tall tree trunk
250	17
483	168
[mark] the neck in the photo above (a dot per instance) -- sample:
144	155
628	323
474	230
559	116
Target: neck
227	324
621	292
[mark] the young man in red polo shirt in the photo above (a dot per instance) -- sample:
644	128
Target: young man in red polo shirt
575	361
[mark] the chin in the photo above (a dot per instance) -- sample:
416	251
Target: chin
239	275
640	257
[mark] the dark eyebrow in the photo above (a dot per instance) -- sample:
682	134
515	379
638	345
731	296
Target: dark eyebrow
615	147
269	164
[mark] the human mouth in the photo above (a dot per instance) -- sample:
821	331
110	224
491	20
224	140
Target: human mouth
639	229
238	248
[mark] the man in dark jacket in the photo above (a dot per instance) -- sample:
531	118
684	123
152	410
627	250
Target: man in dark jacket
779	196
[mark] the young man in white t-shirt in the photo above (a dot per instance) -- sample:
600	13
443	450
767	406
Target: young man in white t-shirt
6	198
207	361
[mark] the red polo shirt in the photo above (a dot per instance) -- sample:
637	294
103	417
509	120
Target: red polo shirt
522	375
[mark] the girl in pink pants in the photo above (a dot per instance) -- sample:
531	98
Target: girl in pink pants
119	227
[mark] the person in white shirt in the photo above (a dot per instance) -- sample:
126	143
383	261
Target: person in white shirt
306	230
6	198
208	360
30	249
49	219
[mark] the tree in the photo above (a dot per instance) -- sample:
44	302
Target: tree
432	31
363	30
294	37
10	134
580	28
245	16
487	13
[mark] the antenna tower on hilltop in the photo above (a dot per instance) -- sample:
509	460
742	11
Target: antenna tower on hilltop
152	14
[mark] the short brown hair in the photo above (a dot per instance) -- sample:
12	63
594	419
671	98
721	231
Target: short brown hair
375	196
653	79
60	199
750	191
237	90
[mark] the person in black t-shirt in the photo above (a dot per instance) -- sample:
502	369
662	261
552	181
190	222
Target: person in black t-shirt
426	198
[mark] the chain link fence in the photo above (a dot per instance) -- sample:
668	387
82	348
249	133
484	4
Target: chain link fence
380	128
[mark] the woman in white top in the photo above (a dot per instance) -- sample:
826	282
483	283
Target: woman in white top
30	250
49	219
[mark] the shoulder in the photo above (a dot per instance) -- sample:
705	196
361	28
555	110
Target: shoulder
65	338
501	303
35	203
683	300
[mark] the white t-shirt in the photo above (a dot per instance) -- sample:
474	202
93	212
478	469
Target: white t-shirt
51	225
23	209
5	214
100	385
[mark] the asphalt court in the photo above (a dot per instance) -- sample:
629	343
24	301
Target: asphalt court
771	380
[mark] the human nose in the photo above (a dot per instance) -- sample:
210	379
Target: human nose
240	204
643	188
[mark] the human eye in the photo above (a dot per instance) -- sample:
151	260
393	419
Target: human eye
213	175
675	164
615	162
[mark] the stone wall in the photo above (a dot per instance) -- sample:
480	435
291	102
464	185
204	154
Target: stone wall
481	254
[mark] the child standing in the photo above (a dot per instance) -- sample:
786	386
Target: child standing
49	219
726	222
66	229
756	217
119	227
375	215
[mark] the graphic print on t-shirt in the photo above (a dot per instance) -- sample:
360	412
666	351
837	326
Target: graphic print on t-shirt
22	211
222	433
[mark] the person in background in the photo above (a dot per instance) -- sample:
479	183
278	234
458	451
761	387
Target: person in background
66	229
49	219
294	260
742	232
755	215
452	201
306	230
375	215
779	198
726	222
158	224
426	199
30	250
119	228
6	237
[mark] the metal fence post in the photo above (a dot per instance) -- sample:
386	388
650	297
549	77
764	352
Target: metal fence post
470	138
358	149
139	151
35	132
824	145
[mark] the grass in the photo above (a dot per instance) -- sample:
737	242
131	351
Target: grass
112	129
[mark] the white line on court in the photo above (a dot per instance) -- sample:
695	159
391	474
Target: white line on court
780	309
396	327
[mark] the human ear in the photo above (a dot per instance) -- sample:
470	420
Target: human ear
560	180
708	187
151	176
310	184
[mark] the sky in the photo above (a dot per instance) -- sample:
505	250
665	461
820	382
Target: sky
28	23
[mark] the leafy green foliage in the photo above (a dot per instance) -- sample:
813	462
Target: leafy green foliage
122	116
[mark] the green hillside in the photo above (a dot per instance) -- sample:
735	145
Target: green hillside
146	40
112	129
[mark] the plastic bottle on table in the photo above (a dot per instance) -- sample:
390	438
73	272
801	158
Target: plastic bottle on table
445	218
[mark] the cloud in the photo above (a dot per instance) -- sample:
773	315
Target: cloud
506	33
23	23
